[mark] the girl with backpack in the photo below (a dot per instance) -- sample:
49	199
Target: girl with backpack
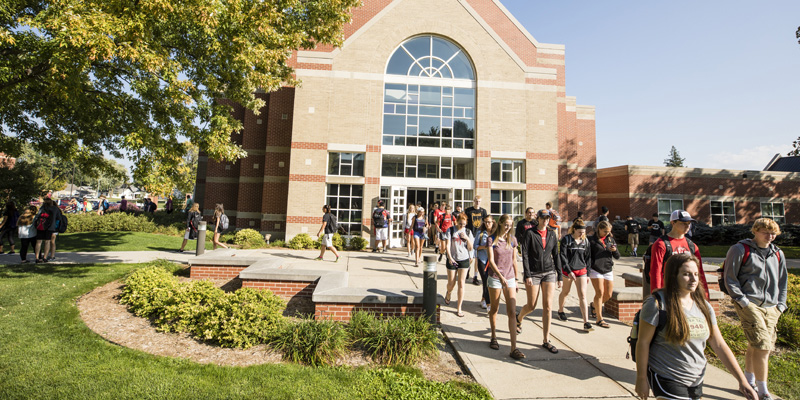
502	278
487	230
326	231
459	254
672	338
220	222
575	260
26	232
192	218
9	225
44	222
602	247
419	228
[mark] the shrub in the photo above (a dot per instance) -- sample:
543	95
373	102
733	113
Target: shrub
301	241
241	319
338	242
114	222
388	383
734	336
400	340
357	243
249	239
312	342
277	243
227	237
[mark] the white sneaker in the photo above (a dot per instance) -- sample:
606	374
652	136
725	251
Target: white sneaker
483	305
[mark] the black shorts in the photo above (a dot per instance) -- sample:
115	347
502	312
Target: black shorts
664	388
44	235
464	264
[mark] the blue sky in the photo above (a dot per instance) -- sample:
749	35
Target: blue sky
718	80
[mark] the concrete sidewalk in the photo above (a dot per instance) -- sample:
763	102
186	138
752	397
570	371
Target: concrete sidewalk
588	366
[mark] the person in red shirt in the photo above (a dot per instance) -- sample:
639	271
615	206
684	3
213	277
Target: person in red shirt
445	222
681	222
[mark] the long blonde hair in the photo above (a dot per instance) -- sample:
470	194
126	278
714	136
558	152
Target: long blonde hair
195	207
578	222
508	235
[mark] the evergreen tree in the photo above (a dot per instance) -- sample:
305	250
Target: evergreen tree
674	159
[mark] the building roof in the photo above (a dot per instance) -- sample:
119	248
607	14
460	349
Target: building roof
784	164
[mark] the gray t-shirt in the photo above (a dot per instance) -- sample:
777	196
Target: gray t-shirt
685	364
458	247
328	217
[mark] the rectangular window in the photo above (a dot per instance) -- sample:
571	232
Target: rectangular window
667	206
774	211
722	213
508	171
346	164
507	202
346	203
463	198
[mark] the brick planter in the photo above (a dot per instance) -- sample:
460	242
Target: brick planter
215	271
285	289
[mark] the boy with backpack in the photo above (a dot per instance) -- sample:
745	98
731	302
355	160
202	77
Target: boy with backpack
380	223
330	225
675	242
756	278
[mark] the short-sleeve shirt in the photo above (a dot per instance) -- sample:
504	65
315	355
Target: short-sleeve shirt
475	217
632	226
458	246
328	219
685	364
481	240
445	222
655	227
503	257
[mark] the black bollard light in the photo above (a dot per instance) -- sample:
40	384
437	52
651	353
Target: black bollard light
201	238
429	288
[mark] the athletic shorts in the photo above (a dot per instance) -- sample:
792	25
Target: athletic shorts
494	283
186	236
327	240
760	324
407	231
44	235
444	235
664	388
419	235
538	278
578	273
464	264
596	275
381	233
633	239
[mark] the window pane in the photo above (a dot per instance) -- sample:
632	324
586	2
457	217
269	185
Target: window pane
358	165
333	163
777	208
461	66
419	47
443	48
395	93
399	63
495	195
394	124
465	97
347	170
664	207
431	95
496	171
464	128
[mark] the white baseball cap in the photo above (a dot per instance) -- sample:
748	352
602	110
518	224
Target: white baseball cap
681	215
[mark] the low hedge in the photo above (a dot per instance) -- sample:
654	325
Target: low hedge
159	222
240	319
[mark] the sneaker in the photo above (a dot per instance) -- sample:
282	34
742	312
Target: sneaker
562	315
587	327
385	250
476	281
440	257
483	304
436	251
375	250
318	259
765	396
336	260
179	251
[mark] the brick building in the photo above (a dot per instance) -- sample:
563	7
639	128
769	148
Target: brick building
712	196
423	102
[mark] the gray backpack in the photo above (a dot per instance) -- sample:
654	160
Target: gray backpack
223	221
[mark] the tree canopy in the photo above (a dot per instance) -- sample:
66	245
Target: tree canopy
136	79
674	159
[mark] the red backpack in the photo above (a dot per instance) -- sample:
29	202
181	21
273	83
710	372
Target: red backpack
722	286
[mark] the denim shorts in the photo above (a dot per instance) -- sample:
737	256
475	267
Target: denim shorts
538	278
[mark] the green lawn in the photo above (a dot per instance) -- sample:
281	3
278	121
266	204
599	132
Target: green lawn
121	241
46	352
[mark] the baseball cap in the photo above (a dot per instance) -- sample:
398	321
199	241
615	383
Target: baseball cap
681	215
543	214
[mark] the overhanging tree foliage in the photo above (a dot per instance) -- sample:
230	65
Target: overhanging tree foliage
138	78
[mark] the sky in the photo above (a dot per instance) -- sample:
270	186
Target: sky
718	80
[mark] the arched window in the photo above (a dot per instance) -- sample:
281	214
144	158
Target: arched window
429	95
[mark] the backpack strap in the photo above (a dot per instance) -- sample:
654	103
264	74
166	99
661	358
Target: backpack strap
746	255
667	246
692	246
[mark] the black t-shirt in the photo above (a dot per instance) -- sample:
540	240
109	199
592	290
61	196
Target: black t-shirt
522	226
475	217
655	227
632	226
328	219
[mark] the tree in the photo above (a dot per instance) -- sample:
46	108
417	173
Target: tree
138	78
19	184
674	159
186	171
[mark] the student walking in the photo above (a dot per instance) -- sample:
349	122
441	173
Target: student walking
482	247
103	206
673	332
329	227
459	253
192	222
26	232
602	217
575	261
656	228
123	204
756	278
502	278
675	242
168	205
542	268
446	221
524	224
189	203
408	232
380	224
220	222
475	217
9	225
419	226
555	218
632	227
44	222
602	247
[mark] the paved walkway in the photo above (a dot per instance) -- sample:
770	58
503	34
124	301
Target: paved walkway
589	365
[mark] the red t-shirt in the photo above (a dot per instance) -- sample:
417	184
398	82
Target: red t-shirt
657	261
446	222
436	215
543	234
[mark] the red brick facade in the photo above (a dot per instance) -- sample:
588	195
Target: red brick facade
635	191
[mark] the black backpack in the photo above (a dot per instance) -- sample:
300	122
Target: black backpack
648	254
633	339
722	286
334	223
195	221
62	224
378	217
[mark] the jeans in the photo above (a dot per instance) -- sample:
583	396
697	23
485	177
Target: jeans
10	233
484	272
23	251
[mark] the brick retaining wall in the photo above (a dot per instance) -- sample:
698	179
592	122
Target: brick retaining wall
215	271
285	289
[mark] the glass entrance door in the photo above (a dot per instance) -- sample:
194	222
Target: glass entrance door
397	202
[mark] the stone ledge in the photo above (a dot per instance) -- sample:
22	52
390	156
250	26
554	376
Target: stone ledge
711	278
631	294
228	257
